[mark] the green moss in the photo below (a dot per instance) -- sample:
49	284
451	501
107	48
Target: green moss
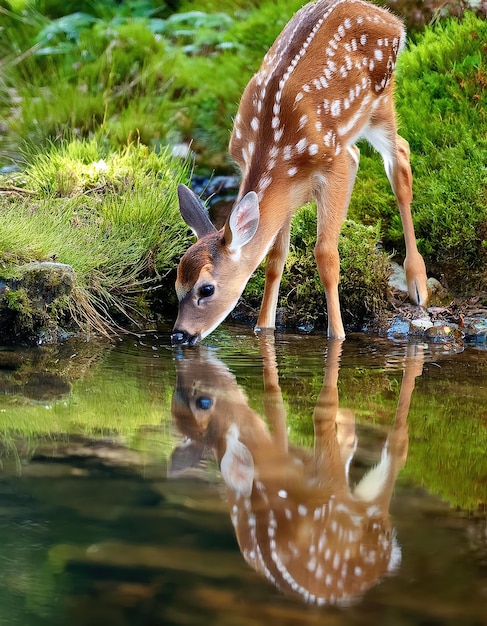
17	300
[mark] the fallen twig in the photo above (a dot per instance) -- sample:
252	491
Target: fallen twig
21	190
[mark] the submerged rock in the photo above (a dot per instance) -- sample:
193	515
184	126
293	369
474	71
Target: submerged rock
31	302
454	324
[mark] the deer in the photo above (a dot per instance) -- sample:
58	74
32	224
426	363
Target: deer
326	82
298	521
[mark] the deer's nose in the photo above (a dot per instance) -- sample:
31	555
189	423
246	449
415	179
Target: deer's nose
182	338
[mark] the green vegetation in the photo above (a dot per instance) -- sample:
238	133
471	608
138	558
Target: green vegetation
364	275
128	75
112	216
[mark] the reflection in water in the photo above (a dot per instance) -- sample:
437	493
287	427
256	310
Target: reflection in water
297	520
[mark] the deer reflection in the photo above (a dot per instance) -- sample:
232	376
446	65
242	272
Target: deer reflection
296	517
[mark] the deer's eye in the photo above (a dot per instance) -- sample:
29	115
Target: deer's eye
204	403
206	291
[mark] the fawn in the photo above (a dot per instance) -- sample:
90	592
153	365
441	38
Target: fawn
326	82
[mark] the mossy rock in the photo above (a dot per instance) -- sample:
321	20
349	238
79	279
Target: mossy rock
32	302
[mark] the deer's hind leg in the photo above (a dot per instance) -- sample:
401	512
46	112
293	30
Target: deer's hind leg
394	149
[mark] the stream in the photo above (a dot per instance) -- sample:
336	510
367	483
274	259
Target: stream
283	479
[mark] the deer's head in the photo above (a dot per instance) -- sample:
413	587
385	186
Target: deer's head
212	273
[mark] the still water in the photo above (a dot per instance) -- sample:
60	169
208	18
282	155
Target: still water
287	480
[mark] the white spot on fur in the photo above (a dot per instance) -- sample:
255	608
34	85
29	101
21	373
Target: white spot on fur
301	145
335	108
331	65
328	138
264	182
302	510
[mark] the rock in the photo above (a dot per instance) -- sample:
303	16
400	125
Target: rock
443	333
31	302
397	279
420	325
397	282
435	288
475	330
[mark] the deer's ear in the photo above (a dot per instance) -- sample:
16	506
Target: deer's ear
237	465
242	222
185	457
194	213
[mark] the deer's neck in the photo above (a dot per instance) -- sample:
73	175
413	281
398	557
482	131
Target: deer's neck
276	203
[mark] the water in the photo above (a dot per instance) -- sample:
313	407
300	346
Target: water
113	509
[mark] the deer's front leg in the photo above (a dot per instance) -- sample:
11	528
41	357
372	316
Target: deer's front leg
276	259
333	194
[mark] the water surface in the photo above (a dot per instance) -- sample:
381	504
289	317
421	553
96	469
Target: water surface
352	490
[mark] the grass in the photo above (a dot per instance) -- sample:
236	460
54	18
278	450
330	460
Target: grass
112	216
128	76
